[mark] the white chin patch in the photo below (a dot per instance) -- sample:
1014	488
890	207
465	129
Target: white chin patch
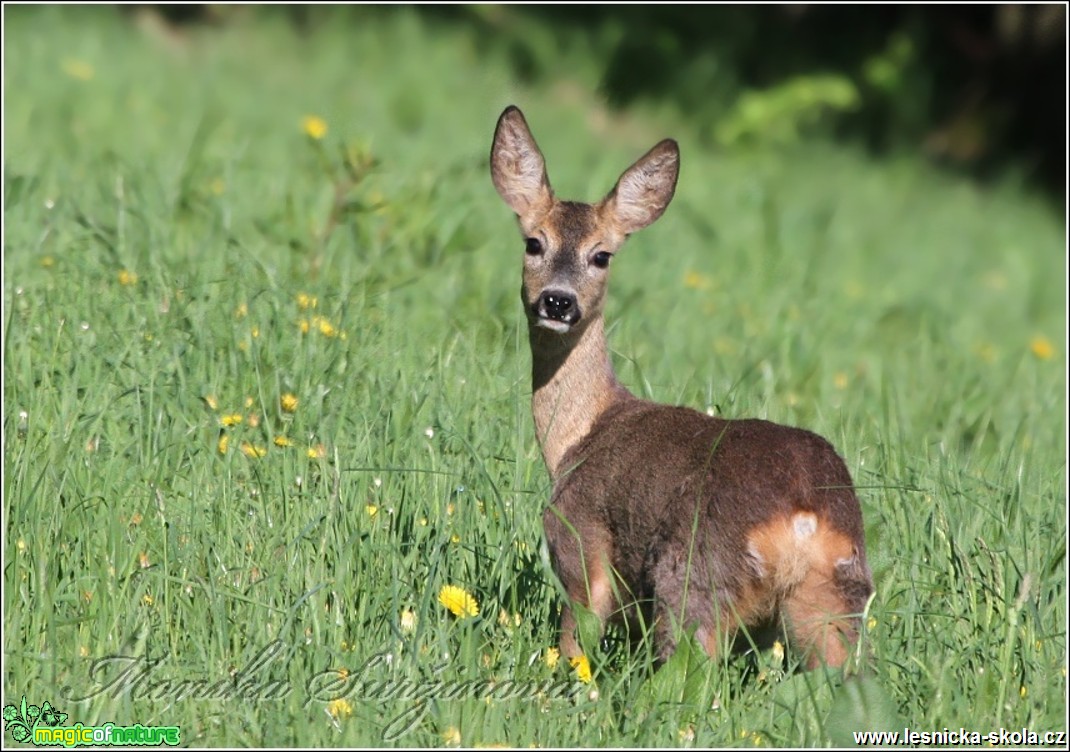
554	326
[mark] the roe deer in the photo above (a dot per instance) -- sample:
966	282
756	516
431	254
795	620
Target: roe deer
707	524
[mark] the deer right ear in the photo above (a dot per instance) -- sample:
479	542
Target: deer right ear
517	166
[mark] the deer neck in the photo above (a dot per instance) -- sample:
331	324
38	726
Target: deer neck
573	383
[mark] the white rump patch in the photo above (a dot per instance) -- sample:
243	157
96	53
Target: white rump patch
805	525
756	561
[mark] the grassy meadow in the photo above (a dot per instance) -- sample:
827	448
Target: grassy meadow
267	393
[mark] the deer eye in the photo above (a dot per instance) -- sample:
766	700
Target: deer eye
533	247
601	259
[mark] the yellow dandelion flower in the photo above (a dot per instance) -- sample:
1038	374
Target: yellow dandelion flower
282	441
455	538
326	328
314	126
83	651
1041	347
778	651
871	623
288	402
371	509
408	620
224	440
231	419
422	522
250	450
147	599
696	281
452	737
127	278
306	301
317	452
458	600
343	673
255	332
583	668
340	708
78	69
303	326
551	657
249	401
143	560
241	311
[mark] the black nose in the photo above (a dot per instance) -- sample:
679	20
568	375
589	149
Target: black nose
558	306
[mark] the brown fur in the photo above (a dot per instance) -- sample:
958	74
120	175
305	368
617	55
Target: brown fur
696	522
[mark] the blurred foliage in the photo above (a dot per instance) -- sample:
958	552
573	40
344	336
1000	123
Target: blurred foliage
978	87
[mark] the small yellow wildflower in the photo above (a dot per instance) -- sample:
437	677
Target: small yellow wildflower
210	400
1022	691
303	326
455	538
83	651
871	623
778	651
255	452
325	327
452	737
232	419
143	560
317	452
552	656
288	402
343	673
282	441
224	440
371	509
1042	347
78	69
340	708
696	281
127	277
408	620
583	668
505	619
241	311
314	126
458	600
147	599
21	545
306	301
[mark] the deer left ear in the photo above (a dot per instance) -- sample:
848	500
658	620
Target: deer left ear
645	189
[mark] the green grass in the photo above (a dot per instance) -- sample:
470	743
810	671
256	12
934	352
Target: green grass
903	313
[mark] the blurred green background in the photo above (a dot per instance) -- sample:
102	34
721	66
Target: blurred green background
266	375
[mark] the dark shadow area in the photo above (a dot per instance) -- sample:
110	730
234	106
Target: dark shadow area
978	88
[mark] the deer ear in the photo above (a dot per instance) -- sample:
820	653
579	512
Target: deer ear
645	189
517	166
